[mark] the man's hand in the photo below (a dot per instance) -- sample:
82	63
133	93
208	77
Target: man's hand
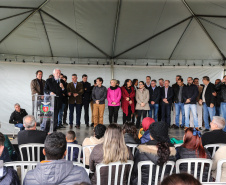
127	99
152	102
188	101
69	93
142	104
113	103
200	102
97	101
75	94
164	100
62	86
52	93
211	105
130	102
214	93
85	89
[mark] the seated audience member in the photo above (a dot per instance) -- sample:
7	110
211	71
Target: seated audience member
30	135
180	179
220	154
10	148
130	133
113	149
9	177
56	170
17	116
158	150
4	153
144	134
98	138
71	138
217	135
192	148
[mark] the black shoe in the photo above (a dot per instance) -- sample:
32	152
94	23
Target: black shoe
173	126
182	127
58	127
65	123
78	127
87	125
176	127
70	126
200	128
61	126
206	130
92	124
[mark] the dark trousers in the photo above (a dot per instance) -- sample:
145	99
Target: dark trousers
140	113
166	112
86	112
128	117
113	111
65	112
78	113
160	112
55	122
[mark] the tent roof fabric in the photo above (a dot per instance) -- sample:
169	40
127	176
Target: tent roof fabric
114	29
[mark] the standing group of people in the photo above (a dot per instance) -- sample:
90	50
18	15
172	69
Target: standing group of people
137	99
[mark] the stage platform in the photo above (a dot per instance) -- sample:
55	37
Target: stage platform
84	132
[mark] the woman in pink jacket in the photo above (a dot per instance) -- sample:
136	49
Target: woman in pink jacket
113	97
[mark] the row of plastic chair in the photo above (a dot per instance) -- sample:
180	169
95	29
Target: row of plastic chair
159	172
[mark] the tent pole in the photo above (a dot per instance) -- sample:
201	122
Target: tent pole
112	69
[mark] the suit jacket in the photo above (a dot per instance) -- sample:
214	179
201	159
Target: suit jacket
35	87
190	92
155	95
176	90
79	89
169	94
52	86
87	92
209	98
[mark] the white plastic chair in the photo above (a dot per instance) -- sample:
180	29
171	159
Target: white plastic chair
90	148
32	146
215	147
213	183
23	167
117	165
73	146
219	169
133	146
196	162
171	164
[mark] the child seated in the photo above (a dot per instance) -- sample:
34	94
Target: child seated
71	138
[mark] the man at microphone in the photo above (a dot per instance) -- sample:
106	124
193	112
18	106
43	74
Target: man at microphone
55	86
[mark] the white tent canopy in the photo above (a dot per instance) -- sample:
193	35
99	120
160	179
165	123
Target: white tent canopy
112	29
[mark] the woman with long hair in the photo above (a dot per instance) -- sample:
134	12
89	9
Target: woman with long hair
192	148
113	149
142	106
130	133
113	96
158	150
128	104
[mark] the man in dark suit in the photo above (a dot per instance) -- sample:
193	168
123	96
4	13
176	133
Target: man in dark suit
167	99
31	135
154	94
55	86
75	92
86	98
207	99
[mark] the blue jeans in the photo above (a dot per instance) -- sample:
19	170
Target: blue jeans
218	111
78	113
179	107
60	115
154	107
207	111
193	108
20	125
223	112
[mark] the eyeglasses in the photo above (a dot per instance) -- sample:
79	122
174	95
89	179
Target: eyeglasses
140	84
